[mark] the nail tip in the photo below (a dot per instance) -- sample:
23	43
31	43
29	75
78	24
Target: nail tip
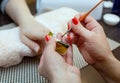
36	49
47	38
75	21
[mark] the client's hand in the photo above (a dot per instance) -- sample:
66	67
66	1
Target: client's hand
32	34
56	68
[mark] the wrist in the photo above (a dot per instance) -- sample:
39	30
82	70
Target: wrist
69	76
66	78
59	78
25	20
106	62
109	69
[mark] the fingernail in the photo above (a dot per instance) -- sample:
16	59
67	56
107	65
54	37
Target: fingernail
47	38
69	37
68	26
70	41
75	21
36	49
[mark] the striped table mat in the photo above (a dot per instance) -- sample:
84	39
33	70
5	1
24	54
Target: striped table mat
27	70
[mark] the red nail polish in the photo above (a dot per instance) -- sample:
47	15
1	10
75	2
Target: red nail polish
69	38
47	38
75	21
68	26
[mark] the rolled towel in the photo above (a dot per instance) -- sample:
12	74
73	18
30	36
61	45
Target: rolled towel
12	50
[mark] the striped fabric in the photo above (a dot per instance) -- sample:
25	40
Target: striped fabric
27	70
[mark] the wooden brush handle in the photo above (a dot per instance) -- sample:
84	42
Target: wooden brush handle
86	14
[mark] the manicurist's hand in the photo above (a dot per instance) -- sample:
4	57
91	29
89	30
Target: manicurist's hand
56	68
90	38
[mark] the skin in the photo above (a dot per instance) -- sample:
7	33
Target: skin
93	45
56	68
31	32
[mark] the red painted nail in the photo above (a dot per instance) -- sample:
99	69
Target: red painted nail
68	26
69	38
47	38
75	21
70	41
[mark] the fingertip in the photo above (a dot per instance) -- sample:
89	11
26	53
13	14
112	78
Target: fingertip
47	38
75	21
36	48
31	44
70	38
51	44
64	39
59	36
69	25
72	35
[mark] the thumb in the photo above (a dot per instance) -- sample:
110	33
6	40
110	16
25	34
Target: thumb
50	43
31	44
78	28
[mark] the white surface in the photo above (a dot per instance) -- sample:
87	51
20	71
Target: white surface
111	19
108	4
79	5
11	49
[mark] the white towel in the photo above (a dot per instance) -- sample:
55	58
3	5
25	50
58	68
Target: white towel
12	50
